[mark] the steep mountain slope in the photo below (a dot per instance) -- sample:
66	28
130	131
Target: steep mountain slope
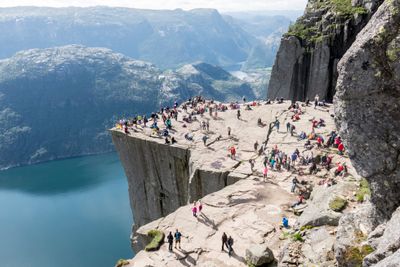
307	58
58	102
167	38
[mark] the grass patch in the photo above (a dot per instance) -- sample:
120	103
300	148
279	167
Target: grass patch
354	256
121	262
338	204
363	191
156	242
297	237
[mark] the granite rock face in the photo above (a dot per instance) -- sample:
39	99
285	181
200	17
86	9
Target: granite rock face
307	58
368	118
367	105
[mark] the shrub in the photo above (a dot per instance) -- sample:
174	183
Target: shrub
297	237
121	263
363	191
338	204
156	242
354	256
344	7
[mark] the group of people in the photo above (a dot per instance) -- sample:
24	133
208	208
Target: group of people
170	239
228	243
197	209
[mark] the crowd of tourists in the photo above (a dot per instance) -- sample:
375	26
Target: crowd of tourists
314	154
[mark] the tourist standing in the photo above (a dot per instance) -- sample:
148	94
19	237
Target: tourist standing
170	239
194	209
224	241
178	237
230	245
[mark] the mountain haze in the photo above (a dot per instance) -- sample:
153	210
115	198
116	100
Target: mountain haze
58	102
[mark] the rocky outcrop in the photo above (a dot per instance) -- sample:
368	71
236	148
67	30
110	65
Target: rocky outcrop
367	105
307	58
386	244
318	212
259	255
367	109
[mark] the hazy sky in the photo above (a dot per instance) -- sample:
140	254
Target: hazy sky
222	5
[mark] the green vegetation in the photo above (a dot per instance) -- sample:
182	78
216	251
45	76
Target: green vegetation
156	242
295	236
354	255
313	34
306	227
338	204
364	190
344	8
121	263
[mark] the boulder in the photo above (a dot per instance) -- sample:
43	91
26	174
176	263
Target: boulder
318	212
258	255
388	242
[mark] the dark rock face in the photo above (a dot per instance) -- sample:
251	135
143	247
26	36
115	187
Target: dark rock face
307	58
367	105
57	103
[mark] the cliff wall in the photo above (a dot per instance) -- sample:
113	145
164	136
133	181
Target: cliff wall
162	178
368	118
367	105
306	62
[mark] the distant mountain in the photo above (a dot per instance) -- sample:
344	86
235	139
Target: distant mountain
167	38
58	102
268	31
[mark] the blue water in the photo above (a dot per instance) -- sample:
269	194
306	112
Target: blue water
68	213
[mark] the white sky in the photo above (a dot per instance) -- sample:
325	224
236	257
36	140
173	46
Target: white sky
222	5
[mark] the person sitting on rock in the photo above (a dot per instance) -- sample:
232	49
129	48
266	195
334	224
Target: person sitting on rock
285	222
339	169
248	107
292	128
188	137
299	201
341	148
167	142
170	239
173	141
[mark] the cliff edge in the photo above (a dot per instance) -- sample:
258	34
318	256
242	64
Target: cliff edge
165	178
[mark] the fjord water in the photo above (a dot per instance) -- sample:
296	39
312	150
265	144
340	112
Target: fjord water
72	212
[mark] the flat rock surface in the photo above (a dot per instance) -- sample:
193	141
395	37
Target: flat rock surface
249	210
